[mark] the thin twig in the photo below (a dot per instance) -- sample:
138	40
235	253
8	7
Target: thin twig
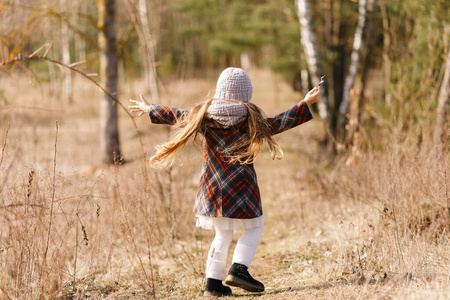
46	45
149	246
4	141
77	63
48	49
53	196
394	214
74	279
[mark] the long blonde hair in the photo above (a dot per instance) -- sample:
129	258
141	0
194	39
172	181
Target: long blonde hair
194	123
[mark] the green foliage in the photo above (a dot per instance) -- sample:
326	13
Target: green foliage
419	39
206	34
234	26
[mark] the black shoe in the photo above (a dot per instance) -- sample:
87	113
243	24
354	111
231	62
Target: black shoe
239	276
214	287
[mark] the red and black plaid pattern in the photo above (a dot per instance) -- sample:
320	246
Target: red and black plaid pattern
229	189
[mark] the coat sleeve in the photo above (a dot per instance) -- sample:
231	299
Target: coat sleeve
291	118
165	114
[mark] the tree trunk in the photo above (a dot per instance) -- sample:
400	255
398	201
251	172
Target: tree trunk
309	43
65	50
109	135
246	63
305	80
329	37
80	44
149	45
441	134
50	34
353	68
386	50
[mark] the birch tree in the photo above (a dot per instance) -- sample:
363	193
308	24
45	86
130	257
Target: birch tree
354	63
80	43
310	47
65	50
149	45
109	135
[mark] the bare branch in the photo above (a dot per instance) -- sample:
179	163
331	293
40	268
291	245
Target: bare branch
21	59
46	45
81	62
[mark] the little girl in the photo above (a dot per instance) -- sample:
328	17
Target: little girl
228	197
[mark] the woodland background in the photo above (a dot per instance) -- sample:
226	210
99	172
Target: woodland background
358	208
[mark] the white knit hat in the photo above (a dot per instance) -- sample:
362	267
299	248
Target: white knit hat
234	84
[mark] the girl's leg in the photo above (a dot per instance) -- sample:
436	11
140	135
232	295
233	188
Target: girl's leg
246	246
244	252
215	266
217	257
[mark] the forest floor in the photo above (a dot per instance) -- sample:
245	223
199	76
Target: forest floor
75	228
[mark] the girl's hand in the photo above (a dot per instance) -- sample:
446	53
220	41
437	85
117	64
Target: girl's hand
141	107
312	96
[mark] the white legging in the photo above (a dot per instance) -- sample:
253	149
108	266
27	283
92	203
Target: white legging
243	253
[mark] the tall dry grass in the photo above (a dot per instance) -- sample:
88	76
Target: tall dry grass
407	189
73	228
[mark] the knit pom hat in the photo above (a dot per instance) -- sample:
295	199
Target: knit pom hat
234	84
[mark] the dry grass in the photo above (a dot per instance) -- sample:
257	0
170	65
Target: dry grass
377	229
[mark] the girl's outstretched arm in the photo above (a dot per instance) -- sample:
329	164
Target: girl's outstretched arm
158	114
295	116
142	107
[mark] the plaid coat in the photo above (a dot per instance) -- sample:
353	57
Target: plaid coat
229	189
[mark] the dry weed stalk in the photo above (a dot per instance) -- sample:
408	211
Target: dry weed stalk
6	137
52	200
131	238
